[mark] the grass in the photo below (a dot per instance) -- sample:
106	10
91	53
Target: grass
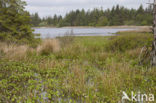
49	46
85	69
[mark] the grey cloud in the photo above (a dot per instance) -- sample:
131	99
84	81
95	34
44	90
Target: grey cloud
49	3
61	7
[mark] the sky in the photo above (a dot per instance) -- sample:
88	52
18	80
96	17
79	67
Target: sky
61	7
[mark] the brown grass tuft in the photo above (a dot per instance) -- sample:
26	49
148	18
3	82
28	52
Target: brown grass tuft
49	46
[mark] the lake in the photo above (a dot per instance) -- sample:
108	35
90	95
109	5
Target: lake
77	31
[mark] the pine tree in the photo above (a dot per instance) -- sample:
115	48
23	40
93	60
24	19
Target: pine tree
15	22
35	19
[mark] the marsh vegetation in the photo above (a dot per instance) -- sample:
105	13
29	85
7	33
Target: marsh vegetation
72	69
75	69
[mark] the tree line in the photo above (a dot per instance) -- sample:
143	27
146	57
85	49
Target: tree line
118	15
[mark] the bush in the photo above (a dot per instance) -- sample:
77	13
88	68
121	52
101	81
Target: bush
126	41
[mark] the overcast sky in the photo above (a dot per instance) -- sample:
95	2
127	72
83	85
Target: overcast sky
61	7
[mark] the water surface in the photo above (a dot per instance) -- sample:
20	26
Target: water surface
55	32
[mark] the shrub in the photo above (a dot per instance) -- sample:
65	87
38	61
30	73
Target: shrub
128	41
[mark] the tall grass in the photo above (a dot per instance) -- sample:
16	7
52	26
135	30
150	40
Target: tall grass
13	51
49	46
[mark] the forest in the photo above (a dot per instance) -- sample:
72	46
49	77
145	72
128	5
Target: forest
116	16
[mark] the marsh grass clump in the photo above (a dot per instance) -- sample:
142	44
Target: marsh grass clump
128	41
49	46
77	80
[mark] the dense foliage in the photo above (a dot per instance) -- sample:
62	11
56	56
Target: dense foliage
118	15
127	41
15	22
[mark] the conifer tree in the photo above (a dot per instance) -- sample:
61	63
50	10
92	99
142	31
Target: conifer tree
15	21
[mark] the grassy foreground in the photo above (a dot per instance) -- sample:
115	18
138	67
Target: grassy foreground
75	70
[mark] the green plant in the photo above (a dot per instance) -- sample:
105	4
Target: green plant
128	40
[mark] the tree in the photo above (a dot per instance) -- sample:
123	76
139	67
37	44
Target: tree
140	10
35	19
50	20
15	21
153	53
103	21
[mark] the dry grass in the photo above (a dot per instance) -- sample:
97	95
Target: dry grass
134	53
13	51
49	46
19	52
